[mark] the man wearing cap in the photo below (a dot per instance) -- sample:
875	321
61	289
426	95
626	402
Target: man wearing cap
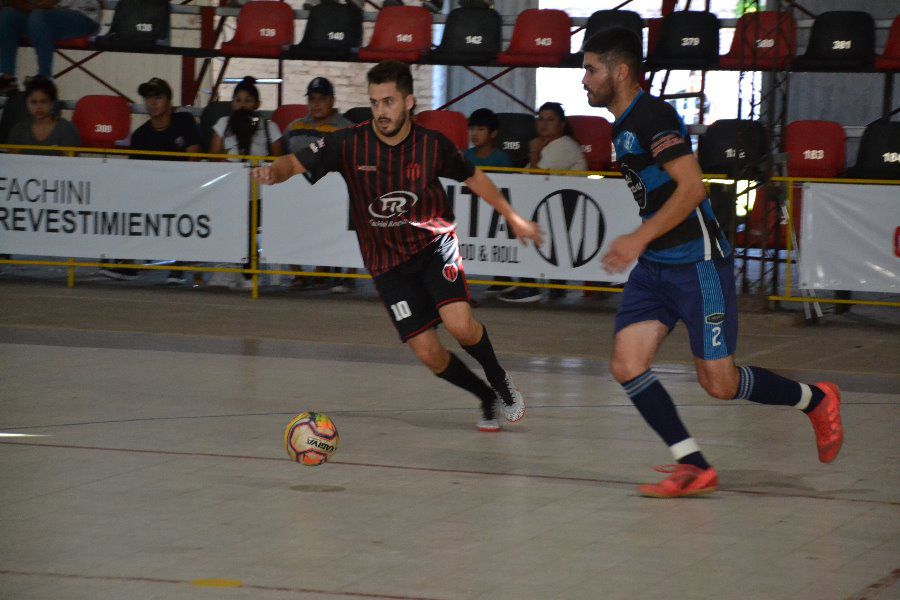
322	118
165	131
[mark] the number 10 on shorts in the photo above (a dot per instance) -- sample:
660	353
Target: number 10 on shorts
401	310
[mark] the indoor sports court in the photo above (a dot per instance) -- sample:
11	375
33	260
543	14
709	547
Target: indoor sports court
143	458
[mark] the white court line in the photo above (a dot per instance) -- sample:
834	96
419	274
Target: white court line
21	435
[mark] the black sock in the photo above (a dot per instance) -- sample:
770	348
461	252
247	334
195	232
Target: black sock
462	376
657	408
765	387
483	352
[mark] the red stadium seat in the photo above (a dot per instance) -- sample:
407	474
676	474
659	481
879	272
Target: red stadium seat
102	120
81	43
765	222
449	122
595	136
265	29
285	114
401	33
763	41
541	37
889	60
815	148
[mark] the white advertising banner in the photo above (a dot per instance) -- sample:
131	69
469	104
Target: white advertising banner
307	224
123	209
850	238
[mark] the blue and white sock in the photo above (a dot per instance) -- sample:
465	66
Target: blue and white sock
765	387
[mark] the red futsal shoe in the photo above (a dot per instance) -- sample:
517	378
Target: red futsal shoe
826	422
684	480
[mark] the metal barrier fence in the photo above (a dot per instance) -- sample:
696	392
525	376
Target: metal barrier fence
255	271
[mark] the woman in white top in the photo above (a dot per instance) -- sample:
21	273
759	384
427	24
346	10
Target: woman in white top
554	147
244	131
45	22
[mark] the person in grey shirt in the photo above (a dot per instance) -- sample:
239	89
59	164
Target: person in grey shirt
44	127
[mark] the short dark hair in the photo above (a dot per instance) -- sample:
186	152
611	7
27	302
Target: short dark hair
247	84
554	107
392	71
484	117
42	84
617	45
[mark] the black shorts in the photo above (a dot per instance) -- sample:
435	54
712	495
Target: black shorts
414	291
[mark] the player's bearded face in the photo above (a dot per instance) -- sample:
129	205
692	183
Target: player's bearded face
597	81
390	108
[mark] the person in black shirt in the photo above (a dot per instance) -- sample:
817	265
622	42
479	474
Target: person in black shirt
406	230
165	131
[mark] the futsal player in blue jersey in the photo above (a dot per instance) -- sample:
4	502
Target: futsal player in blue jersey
684	271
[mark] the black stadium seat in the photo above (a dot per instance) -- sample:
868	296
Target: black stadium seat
735	147
879	152
687	40
472	36
840	40
333	32
516	132
602	20
359	114
137	24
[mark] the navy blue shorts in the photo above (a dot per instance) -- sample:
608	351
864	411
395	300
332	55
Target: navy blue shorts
700	294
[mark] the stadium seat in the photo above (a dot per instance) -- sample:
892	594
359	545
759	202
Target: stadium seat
840	40
815	148
359	114
333	32
879	152
540	37
286	114
137	24
687	40
102	121
765	222
763	41
265	29
401	33
735	147
13	111
516	132
602	20
210	115
472	36
595	136
449	122
889	60
81	43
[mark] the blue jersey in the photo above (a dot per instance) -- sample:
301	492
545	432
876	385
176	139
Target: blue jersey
647	136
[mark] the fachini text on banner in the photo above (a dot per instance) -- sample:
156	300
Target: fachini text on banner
850	238
123	209
310	224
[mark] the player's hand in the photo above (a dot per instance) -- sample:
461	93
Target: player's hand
263	175
622	252
526	230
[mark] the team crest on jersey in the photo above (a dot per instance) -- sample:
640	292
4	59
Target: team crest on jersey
636	185
451	272
413	171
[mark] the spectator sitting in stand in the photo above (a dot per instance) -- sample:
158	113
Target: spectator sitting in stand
44	127
484	126
244	132
322	118
166	131
45	22
555	149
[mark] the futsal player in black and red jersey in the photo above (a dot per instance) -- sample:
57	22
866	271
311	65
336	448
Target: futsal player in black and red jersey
406	230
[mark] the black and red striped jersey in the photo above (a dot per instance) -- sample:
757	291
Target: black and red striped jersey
397	204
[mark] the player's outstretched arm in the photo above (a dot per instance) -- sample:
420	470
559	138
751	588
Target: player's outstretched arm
281	170
524	230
